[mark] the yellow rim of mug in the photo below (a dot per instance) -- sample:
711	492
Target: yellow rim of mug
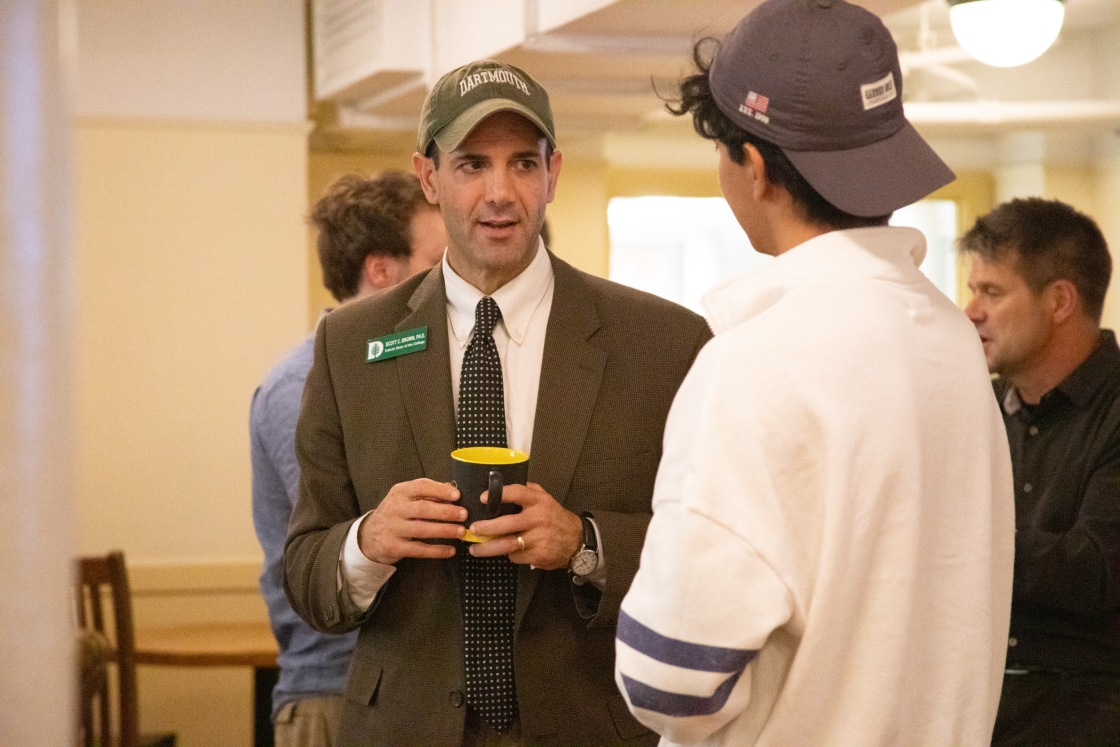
469	536
489	455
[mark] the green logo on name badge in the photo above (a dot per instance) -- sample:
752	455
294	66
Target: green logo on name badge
399	343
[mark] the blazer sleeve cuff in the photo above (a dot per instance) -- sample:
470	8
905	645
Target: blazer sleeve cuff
621	536
359	578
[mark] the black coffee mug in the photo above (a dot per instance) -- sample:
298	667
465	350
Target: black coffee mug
478	469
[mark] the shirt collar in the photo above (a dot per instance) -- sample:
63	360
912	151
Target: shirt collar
1090	376
890	253
1080	386
517	299
1011	402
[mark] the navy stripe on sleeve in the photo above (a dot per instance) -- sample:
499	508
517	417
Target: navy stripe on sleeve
680	653
675	704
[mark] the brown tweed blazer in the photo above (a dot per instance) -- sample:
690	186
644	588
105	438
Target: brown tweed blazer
613	360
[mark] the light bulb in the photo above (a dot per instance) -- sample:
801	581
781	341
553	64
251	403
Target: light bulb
1006	33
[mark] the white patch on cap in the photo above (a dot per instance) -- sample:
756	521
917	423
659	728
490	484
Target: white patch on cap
878	93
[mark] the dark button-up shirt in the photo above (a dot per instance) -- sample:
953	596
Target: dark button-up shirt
1065	453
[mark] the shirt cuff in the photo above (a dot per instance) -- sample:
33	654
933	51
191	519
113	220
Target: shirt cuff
597	577
359	578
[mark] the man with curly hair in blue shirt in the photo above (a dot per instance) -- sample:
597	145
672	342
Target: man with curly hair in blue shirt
373	233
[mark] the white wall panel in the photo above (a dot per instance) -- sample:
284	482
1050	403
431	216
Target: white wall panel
240	60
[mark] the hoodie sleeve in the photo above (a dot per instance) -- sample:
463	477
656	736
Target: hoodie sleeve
701	606
706	595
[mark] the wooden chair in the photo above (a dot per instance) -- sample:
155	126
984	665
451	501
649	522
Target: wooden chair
94	575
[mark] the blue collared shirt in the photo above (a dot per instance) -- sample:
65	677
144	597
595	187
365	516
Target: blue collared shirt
311	663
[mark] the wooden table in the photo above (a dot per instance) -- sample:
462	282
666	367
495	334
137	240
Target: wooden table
209	645
219	645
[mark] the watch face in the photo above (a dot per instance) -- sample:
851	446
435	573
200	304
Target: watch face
584	562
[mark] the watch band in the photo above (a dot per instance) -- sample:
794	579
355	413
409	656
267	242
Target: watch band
586	559
590	540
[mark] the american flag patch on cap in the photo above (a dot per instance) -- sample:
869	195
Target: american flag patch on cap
757	102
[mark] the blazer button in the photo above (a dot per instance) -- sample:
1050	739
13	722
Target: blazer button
456	699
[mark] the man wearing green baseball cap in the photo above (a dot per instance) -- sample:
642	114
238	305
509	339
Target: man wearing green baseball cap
509	640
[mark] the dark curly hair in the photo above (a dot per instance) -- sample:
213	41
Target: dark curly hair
359	217
710	122
1047	240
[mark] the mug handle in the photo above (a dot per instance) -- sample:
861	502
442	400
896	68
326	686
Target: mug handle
494	498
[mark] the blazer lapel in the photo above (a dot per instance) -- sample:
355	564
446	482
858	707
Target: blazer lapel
425	379
571	373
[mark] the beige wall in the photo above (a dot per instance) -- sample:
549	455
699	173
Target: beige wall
577	218
1106	181
191	282
1076	185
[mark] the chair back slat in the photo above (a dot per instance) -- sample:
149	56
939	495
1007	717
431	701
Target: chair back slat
102	594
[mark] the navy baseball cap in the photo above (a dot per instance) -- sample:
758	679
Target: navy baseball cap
821	80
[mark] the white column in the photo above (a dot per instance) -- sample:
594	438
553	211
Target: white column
36	291
1022	166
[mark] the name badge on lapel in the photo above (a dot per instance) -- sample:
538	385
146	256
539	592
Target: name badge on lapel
399	343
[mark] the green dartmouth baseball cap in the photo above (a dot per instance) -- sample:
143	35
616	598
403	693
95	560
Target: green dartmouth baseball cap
465	96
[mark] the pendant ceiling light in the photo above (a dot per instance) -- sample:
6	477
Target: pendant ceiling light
1006	33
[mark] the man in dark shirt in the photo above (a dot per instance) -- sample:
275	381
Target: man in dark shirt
1039	273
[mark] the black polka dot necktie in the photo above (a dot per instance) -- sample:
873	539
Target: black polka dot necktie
489	584
482	402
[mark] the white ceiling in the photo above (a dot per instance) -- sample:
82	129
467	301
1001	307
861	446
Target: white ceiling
604	71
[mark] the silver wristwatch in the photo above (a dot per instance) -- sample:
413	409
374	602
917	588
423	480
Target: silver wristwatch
586	559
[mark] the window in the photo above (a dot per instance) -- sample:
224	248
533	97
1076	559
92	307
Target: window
679	247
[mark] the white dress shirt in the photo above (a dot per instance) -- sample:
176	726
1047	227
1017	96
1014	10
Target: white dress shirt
525	303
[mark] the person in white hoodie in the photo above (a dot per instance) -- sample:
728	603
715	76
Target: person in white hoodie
830	556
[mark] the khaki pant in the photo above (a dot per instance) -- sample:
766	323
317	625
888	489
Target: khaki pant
310	722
